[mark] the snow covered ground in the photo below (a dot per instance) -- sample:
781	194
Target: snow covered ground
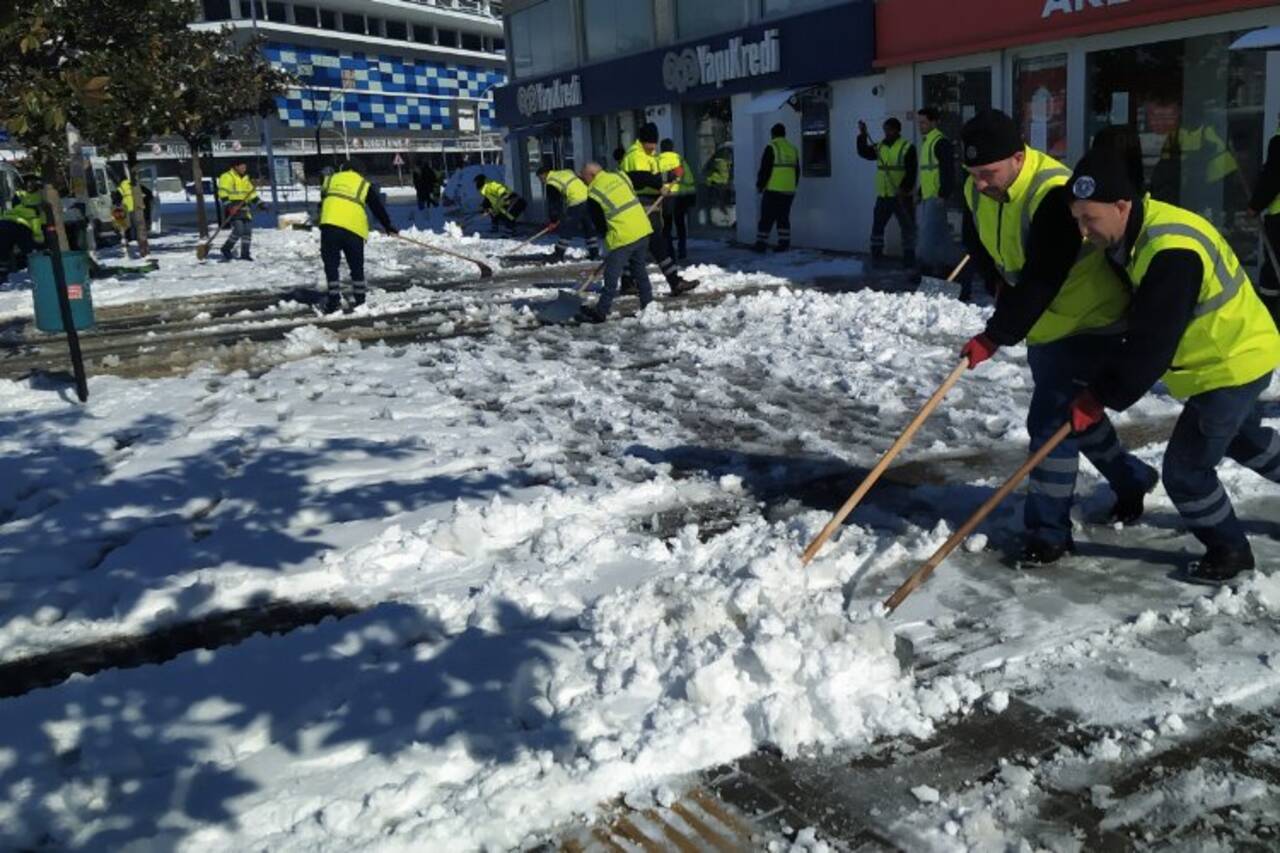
575	556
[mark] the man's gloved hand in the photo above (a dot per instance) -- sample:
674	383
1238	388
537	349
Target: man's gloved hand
678	171
978	349
1086	411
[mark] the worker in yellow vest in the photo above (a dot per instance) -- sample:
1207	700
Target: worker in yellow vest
675	210
566	199
1197	323
719	181
21	227
502	204
776	182
344	228
935	247
620	216
896	169
640	165
1266	201
238	196
1062	298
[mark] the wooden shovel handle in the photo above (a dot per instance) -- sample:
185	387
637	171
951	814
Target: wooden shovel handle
485	270
922	573
955	272
550	227
903	440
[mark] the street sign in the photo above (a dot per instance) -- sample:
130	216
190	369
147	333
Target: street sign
398	161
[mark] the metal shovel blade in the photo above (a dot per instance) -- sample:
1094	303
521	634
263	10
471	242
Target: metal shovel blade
562	309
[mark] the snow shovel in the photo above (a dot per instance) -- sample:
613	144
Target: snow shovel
486	271
1275	263
921	574
903	440
551	227
202	249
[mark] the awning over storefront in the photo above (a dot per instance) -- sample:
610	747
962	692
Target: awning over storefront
1267	38
769	102
832	43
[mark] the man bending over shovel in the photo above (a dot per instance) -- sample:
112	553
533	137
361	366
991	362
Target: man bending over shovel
618	213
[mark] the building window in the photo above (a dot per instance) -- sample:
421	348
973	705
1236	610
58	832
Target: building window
1040	102
352	23
708	139
247	10
542	38
1196	108
617	27
217	10
328	20
278	12
471	41
423	34
774	8
397	30
499	45
696	18
447	38
305	16
957	96
373	26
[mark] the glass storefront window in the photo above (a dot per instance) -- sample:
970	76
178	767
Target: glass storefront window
1040	103
617	27
708	142
958	96
696	18
1197	109
542	38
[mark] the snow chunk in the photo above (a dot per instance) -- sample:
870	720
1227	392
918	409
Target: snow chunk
926	794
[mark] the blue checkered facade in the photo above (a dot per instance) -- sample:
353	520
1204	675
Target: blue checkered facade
389	93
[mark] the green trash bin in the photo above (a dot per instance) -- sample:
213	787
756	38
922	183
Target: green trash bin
76	267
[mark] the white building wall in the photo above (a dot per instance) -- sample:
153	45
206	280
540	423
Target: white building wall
829	213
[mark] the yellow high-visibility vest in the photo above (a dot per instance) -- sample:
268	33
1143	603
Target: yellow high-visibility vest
569	185
639	160
930	176
786	165
342	199
1231	339
623	211
891	167
1093	299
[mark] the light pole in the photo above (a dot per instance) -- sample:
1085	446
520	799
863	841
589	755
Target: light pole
266	124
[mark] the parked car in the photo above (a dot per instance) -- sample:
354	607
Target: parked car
208	187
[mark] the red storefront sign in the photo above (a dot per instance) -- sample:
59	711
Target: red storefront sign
917	30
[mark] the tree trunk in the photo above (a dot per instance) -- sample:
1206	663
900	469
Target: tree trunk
197	175
139	215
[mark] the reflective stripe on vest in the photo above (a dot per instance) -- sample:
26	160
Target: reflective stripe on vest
1092	300
342	202
891	167
1231	339
26	212
639	160
569	185
930	177
624	214
497	194
1274	208
126	195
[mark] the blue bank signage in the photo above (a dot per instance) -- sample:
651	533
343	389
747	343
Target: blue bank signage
815	47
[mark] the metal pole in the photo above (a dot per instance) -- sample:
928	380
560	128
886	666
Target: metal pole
346	142
266	125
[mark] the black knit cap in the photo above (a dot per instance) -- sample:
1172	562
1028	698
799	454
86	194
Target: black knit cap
990	136
648	133
1102	175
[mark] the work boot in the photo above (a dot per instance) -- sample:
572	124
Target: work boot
226	252
761	246
590	314
332	303
558	255
1038	552
782	247
1219	566
680	286
244	254
1129	505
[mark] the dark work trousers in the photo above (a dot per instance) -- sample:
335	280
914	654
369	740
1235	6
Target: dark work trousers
241	226
16	242
1269	280
336	243
576	222
675	211
625	260
1060	370
889	208
1226	422
658	245
775	208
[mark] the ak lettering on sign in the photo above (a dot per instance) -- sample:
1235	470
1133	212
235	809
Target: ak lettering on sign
1066	7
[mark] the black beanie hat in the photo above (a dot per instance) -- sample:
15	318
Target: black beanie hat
990	136
1102	175
648	133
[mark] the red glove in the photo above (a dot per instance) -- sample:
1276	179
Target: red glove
979	349
679	171
1086	411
